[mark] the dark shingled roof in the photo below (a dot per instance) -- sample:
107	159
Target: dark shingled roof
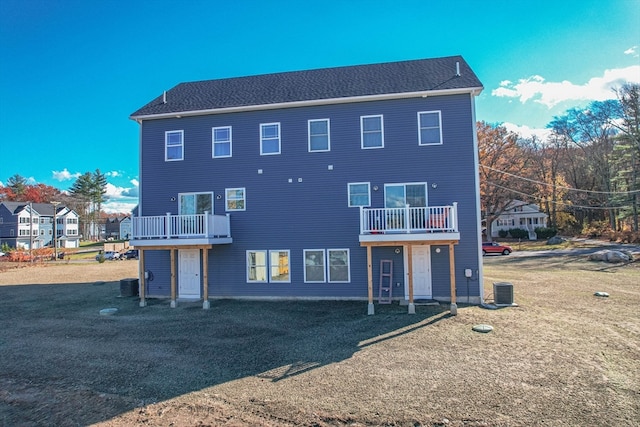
421	75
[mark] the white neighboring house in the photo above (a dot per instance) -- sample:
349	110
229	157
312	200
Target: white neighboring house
125	228
520	214
68	228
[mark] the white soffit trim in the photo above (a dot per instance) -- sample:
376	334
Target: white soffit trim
475	91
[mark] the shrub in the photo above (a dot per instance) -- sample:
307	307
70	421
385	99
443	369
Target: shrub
518	233
596	229
503	233
545	232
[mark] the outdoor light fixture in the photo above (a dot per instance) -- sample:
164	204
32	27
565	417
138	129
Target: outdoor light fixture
375	188
434	185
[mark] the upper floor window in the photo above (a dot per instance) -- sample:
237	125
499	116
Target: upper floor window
429	128
359	194
319	135
195	203
400	195
221	145
371	132
235	199
173	145
269	138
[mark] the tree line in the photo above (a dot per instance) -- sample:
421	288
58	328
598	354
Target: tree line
85	196
585	175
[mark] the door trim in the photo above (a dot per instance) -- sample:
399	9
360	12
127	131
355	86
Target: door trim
406	270
182	273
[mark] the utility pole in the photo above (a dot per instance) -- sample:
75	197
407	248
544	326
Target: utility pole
55	230
31	232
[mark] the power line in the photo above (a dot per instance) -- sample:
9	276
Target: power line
612	193
556	202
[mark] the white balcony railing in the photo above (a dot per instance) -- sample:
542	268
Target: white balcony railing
181	226
408	219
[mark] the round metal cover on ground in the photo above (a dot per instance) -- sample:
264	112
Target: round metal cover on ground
108	311
483	328
601	294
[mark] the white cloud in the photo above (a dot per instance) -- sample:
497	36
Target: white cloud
64	175
120	196
1	184
113	191
113	174
537	89
135	182
118	206
526	132
633	50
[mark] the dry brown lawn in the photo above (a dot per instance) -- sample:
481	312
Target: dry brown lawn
563	357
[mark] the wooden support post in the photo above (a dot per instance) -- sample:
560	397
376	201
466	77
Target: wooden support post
205	278
452	278
370	309
173	277
142	280
409	252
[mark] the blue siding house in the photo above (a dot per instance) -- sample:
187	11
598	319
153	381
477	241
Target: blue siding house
29	225
357	182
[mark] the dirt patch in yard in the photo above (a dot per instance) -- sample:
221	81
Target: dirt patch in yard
562	357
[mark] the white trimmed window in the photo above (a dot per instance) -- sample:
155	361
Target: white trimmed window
319	139
400	195
268	266
173	145
279	266
332	265
429	128
235	199
339	265
359	194
256	266
371	132
314	266
269	138
195	203
221	141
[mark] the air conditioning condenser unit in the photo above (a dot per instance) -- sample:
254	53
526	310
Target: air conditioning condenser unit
502	293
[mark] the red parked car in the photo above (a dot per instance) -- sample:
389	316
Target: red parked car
495	248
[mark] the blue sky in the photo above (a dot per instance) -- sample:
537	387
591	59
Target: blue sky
71	72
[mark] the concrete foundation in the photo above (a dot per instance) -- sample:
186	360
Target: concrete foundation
370	309
454	309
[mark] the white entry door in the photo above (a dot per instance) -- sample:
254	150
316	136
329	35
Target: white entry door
189	273
421	264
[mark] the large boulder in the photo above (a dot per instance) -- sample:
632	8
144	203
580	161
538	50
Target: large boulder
609	256
555	240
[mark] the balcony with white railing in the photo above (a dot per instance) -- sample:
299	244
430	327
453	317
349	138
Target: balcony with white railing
180	230
409	223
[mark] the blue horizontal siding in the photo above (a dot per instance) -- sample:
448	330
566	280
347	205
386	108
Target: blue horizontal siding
313	213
